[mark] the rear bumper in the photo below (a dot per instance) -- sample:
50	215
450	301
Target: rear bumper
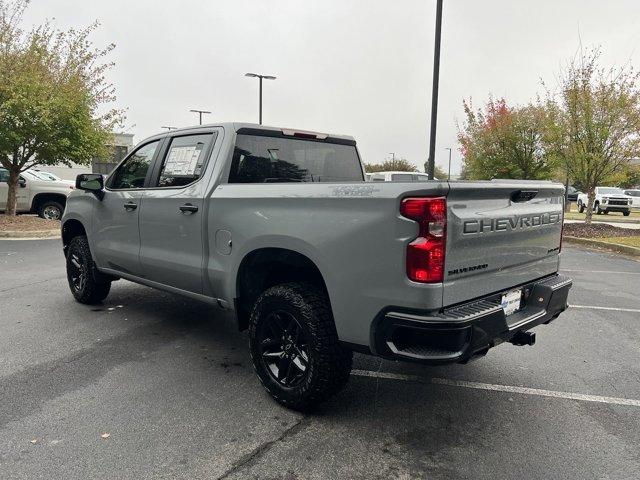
458	333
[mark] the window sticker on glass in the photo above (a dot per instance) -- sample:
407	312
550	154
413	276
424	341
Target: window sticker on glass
184	160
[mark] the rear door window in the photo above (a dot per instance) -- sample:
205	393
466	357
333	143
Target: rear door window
262	159
184	160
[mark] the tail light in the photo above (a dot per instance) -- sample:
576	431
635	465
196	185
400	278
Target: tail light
425	254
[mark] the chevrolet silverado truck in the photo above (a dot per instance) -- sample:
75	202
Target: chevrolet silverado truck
279	227
608	199
36	194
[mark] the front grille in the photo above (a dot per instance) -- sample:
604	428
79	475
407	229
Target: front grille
615	201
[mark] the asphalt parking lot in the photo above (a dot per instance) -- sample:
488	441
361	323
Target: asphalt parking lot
149	385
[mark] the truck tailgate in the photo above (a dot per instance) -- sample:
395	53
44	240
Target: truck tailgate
499	235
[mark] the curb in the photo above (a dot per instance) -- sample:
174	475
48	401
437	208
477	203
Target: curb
615	247
18	234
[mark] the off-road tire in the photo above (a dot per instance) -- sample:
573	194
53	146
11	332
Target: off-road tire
580	207
50	205
94	288
329	363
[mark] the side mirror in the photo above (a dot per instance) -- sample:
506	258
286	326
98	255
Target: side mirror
91	182
22	183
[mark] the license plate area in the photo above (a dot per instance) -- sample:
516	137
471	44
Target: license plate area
511	301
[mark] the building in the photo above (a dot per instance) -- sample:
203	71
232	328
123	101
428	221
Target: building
123	143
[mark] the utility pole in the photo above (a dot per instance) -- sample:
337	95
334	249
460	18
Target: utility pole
260	77
430	167
449	175
393	156
199	112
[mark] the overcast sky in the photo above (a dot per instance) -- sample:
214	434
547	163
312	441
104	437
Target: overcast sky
357	67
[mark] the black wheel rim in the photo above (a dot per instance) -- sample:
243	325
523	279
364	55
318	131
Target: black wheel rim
284	348
77	271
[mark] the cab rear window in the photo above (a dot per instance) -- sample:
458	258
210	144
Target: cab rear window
262	159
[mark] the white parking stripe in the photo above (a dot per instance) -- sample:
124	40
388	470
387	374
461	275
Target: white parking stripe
593	307
600	271
500	388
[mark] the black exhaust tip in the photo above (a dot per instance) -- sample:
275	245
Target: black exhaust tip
523	338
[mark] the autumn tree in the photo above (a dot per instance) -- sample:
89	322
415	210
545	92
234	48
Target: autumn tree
397	164
500	141
54	96
595	121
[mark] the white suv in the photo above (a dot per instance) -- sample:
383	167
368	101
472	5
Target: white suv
47	198
608	199
634	193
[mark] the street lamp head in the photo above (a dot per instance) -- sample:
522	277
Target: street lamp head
257	75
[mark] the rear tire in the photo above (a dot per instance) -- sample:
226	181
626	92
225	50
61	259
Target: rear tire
294	346
50	210
85	281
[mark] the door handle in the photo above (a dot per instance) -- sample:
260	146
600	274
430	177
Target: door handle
130	206
187	207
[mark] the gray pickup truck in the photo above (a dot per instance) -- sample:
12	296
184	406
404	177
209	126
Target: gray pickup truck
279	228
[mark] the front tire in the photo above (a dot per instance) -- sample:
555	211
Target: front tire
580	207
626	214
84	279
294	346
598	210
50	210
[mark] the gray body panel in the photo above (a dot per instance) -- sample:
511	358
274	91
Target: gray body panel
352	232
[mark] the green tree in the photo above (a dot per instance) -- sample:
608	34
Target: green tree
594	121
398	164
499	141
54	96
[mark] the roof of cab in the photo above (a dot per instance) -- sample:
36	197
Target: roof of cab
235	126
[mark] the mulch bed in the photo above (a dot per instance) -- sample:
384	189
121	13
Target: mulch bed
598	230
27	223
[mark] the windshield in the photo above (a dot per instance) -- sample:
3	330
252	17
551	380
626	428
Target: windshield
633	193
610	190
48	176
33	175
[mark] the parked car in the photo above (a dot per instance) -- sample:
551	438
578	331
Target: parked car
279	228
45	197
572	193
608	199
635	197
398	176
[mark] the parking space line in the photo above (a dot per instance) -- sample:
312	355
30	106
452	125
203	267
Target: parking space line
499	388
599	271
593	307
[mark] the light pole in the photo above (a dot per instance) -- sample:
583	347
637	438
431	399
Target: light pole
393	156
199	112
260	77
431	164
449	175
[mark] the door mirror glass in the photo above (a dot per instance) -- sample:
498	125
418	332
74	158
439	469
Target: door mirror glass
90	182
22	182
